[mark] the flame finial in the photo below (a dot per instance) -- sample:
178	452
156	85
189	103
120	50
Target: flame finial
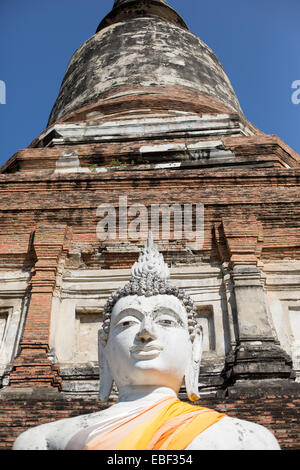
150	262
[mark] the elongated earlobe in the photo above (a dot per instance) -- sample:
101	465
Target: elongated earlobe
193	369
106	380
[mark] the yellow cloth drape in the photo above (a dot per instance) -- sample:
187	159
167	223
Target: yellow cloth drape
173	427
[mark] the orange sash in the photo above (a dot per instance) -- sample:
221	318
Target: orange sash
170	424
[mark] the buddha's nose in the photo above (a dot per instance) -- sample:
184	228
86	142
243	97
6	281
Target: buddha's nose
146	332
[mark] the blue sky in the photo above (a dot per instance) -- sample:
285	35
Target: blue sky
257	41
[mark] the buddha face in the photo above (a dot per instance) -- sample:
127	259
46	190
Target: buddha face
149	342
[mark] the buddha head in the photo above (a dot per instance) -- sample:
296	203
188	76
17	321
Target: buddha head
150	336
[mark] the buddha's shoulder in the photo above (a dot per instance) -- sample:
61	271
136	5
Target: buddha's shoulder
53	435
235	434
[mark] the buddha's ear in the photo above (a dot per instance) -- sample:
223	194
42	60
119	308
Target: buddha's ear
106	380
193	369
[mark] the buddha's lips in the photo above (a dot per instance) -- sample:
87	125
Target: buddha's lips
145	349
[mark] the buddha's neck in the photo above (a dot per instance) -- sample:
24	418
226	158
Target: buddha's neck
134	393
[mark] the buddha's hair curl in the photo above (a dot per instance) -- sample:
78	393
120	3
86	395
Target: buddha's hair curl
149	285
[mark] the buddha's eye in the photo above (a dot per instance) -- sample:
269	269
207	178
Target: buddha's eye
167	322
126	323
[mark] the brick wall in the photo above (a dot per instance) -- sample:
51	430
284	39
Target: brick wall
279	411
272	196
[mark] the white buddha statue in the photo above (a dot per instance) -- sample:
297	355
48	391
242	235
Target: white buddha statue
149	344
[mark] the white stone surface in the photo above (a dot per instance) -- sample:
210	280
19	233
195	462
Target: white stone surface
148	126
282	286
13	304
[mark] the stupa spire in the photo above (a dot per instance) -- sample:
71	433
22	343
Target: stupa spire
118	3
127	9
